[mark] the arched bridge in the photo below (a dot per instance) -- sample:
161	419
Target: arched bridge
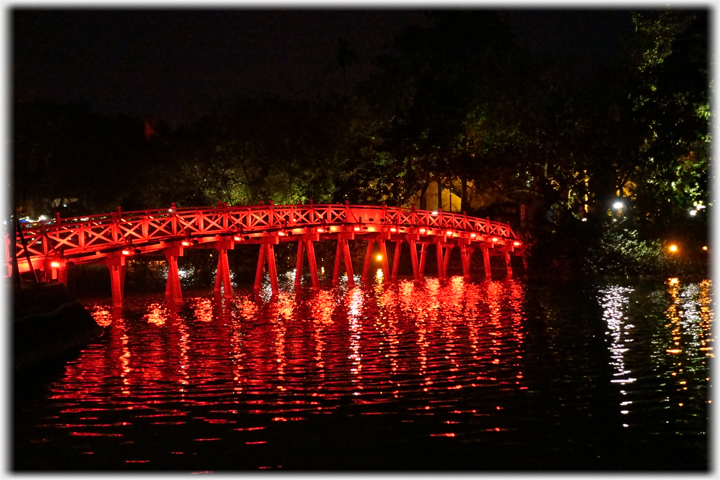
111	238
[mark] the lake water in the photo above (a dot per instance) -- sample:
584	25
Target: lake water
496	375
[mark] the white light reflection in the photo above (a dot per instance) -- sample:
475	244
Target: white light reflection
614	302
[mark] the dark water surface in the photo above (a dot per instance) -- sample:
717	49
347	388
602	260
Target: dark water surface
498	375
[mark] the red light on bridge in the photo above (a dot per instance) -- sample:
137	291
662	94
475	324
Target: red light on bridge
449	232
393	229
371	229
55	264
185	243
321	230
494	239
422	230
237	239
516	243
126	252
357	229
282	234
473	235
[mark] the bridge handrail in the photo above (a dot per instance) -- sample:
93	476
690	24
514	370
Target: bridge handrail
101	231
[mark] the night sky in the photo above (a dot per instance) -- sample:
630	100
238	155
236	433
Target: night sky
180	64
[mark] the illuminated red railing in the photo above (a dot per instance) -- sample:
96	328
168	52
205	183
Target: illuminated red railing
84	237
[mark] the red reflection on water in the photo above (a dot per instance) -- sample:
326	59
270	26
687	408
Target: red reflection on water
299	353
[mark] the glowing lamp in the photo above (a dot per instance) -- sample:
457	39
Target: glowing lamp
494	239
516	243
371	229
693	213
237	239
357	229
673	248
185	243
422	230
705	248
55	264
618	205
473	235
449	232
393	229
434	212
281	234
321	230
126	252
674	281
379	257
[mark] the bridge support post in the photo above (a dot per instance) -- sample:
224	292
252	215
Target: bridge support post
508	264
466	252
304	244
423	255
440	260
486	262
222	276
267	250
446	262
414	259
368	258
116	265
396	259
343	250
172	289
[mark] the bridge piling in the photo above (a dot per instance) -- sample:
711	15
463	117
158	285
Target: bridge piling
384	261
466	252
222	275
508	265
486	262
440	260
423	254
396	259
343	250
446	262
267	252
116	265
413	258
299	263
172	289
368	257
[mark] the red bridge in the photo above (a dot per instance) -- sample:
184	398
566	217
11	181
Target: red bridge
53	246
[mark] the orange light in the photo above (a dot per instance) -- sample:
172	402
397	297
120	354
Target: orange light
126	252
237	239
371	229
494	239
473	235
55	264
321	230
422	230
516	243
705	248
673	248
379	257
449	232
282	234
185	243
393	229
357	229
674	281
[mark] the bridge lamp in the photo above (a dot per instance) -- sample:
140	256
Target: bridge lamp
237	239
185	243
126	252
673	248
449	232
357	229
473	235
379	257
494	239
55	264
393	229
434	212
422	230
371	229
516	243
281	234
321	230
